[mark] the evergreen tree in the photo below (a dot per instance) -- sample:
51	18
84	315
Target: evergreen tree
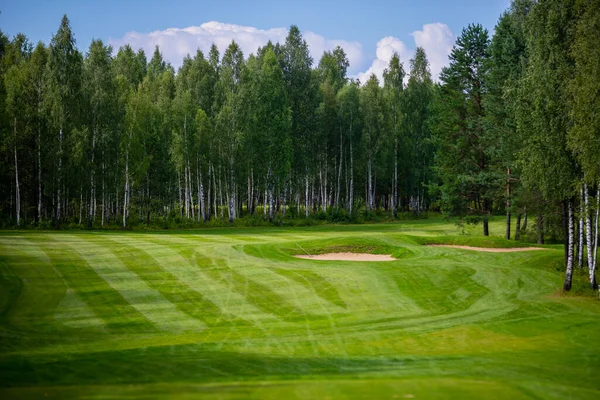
467	183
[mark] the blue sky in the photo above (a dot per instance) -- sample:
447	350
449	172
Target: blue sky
359	25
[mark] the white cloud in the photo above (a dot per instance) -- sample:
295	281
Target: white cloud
176	43
436	39
386	48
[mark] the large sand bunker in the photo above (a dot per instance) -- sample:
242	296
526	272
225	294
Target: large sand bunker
348	257
488	249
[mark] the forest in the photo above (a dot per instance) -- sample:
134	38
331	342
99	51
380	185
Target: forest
105	138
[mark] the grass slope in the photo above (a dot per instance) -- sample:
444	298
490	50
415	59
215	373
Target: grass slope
229	313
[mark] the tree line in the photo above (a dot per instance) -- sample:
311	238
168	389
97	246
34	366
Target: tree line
109	138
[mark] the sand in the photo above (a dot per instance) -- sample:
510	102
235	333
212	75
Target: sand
488	249
348	257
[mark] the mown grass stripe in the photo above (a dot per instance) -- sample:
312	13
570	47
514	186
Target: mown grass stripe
140	260
42	288
106	303
161	312
296	294
256	294
179	260
316	282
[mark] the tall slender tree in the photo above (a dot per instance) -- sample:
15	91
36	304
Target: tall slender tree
463	162
63	85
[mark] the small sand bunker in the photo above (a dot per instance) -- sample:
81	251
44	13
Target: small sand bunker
348	257
488	249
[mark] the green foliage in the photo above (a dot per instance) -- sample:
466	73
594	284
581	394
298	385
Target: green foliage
461	138
582	92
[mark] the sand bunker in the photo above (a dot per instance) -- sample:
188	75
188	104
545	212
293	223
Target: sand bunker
488	249
348	257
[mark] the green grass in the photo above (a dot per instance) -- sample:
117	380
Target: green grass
230	313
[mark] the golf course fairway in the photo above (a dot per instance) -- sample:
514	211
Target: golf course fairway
232	314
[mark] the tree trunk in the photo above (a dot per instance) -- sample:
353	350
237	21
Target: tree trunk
232	190
369	185
58	198
395	190
580	231
249	198
214	189
339	177
588	234
351	206
265	203
524	228
486	217
126	191
39	159
518	228
284	202
191	192
214	192
306	199
540	228
17	188
200	192
270	194
81	204
596	236
508	204
103	190
92	170
571	237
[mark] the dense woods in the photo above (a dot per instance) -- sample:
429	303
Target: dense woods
107	138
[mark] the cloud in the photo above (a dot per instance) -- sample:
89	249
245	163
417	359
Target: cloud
436	39
176	43
386	48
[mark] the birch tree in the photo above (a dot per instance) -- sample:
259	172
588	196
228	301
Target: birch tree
63	83
418	97
542	115
17	107
100	90
584	129
393	88
372	109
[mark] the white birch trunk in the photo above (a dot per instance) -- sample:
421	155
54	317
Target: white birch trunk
596	231
81	204
200	192
265	204
126	190
580	233
588	231
92	194
569	273
306	202
249	200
